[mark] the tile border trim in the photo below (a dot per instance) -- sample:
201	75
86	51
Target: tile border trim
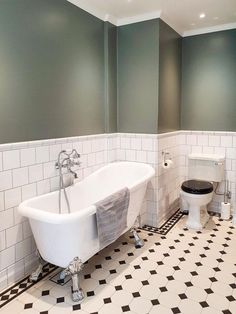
18	288
166	226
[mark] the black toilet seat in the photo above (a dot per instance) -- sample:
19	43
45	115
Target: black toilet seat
197	187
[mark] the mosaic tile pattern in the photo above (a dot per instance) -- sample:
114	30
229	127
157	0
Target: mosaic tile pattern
167	226
183	272
11	293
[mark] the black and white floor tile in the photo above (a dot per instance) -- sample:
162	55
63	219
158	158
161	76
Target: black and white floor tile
11	293
181	272
167	226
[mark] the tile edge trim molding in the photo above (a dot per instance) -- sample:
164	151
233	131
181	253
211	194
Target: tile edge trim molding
45	142
167	225
21	286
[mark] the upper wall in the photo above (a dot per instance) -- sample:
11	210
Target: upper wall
110	48
208	82
138	58
52	71
169	79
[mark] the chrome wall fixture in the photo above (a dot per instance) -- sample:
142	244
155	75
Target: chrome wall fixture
66	160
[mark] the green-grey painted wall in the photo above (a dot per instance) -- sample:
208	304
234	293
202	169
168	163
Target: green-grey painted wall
52	70
65	72
169	79
209	82
110	48
138	59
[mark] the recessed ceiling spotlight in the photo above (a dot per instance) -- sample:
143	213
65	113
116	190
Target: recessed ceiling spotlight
202	15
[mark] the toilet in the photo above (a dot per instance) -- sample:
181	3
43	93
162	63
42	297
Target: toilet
197	192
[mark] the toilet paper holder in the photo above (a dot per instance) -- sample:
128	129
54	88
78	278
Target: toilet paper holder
165	156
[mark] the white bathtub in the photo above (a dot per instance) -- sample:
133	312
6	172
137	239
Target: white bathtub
61	237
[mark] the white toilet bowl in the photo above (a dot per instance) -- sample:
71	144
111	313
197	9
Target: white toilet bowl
196	194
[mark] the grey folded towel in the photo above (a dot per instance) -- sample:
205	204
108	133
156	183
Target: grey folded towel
112	216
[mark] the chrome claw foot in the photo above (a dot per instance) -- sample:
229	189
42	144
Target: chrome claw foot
78	295
138	242
36	274
73	269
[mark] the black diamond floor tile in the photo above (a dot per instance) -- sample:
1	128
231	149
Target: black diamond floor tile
230	298
107	300
76	307
155	302
60	300
125	271
204	304
45	292
183	296
28	306
90	293
125	308
176	310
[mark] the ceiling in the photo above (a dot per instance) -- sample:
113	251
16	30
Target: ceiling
182	15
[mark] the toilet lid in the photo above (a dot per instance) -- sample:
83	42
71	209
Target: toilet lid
197	187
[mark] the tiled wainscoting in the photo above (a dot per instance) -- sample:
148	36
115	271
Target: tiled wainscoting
223	143
28	169
163	190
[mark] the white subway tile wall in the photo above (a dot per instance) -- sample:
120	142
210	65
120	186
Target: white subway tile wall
27	169
162	197
141	148
163	192
223	143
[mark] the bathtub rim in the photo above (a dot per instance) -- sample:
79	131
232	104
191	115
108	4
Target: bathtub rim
56	218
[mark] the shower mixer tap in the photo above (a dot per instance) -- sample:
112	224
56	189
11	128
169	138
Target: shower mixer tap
66	159
70	160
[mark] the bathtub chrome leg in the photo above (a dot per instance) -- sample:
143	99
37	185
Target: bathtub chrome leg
137	240
73	269
38	272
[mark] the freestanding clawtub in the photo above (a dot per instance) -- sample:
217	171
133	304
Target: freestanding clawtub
71	238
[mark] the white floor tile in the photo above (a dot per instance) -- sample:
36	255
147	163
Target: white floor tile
189	306
140	305
182	272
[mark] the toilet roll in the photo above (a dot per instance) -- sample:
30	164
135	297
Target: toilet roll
167	164
225	211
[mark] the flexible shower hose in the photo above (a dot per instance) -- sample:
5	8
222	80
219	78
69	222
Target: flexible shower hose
62	186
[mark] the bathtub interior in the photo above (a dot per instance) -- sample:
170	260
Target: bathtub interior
95	187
